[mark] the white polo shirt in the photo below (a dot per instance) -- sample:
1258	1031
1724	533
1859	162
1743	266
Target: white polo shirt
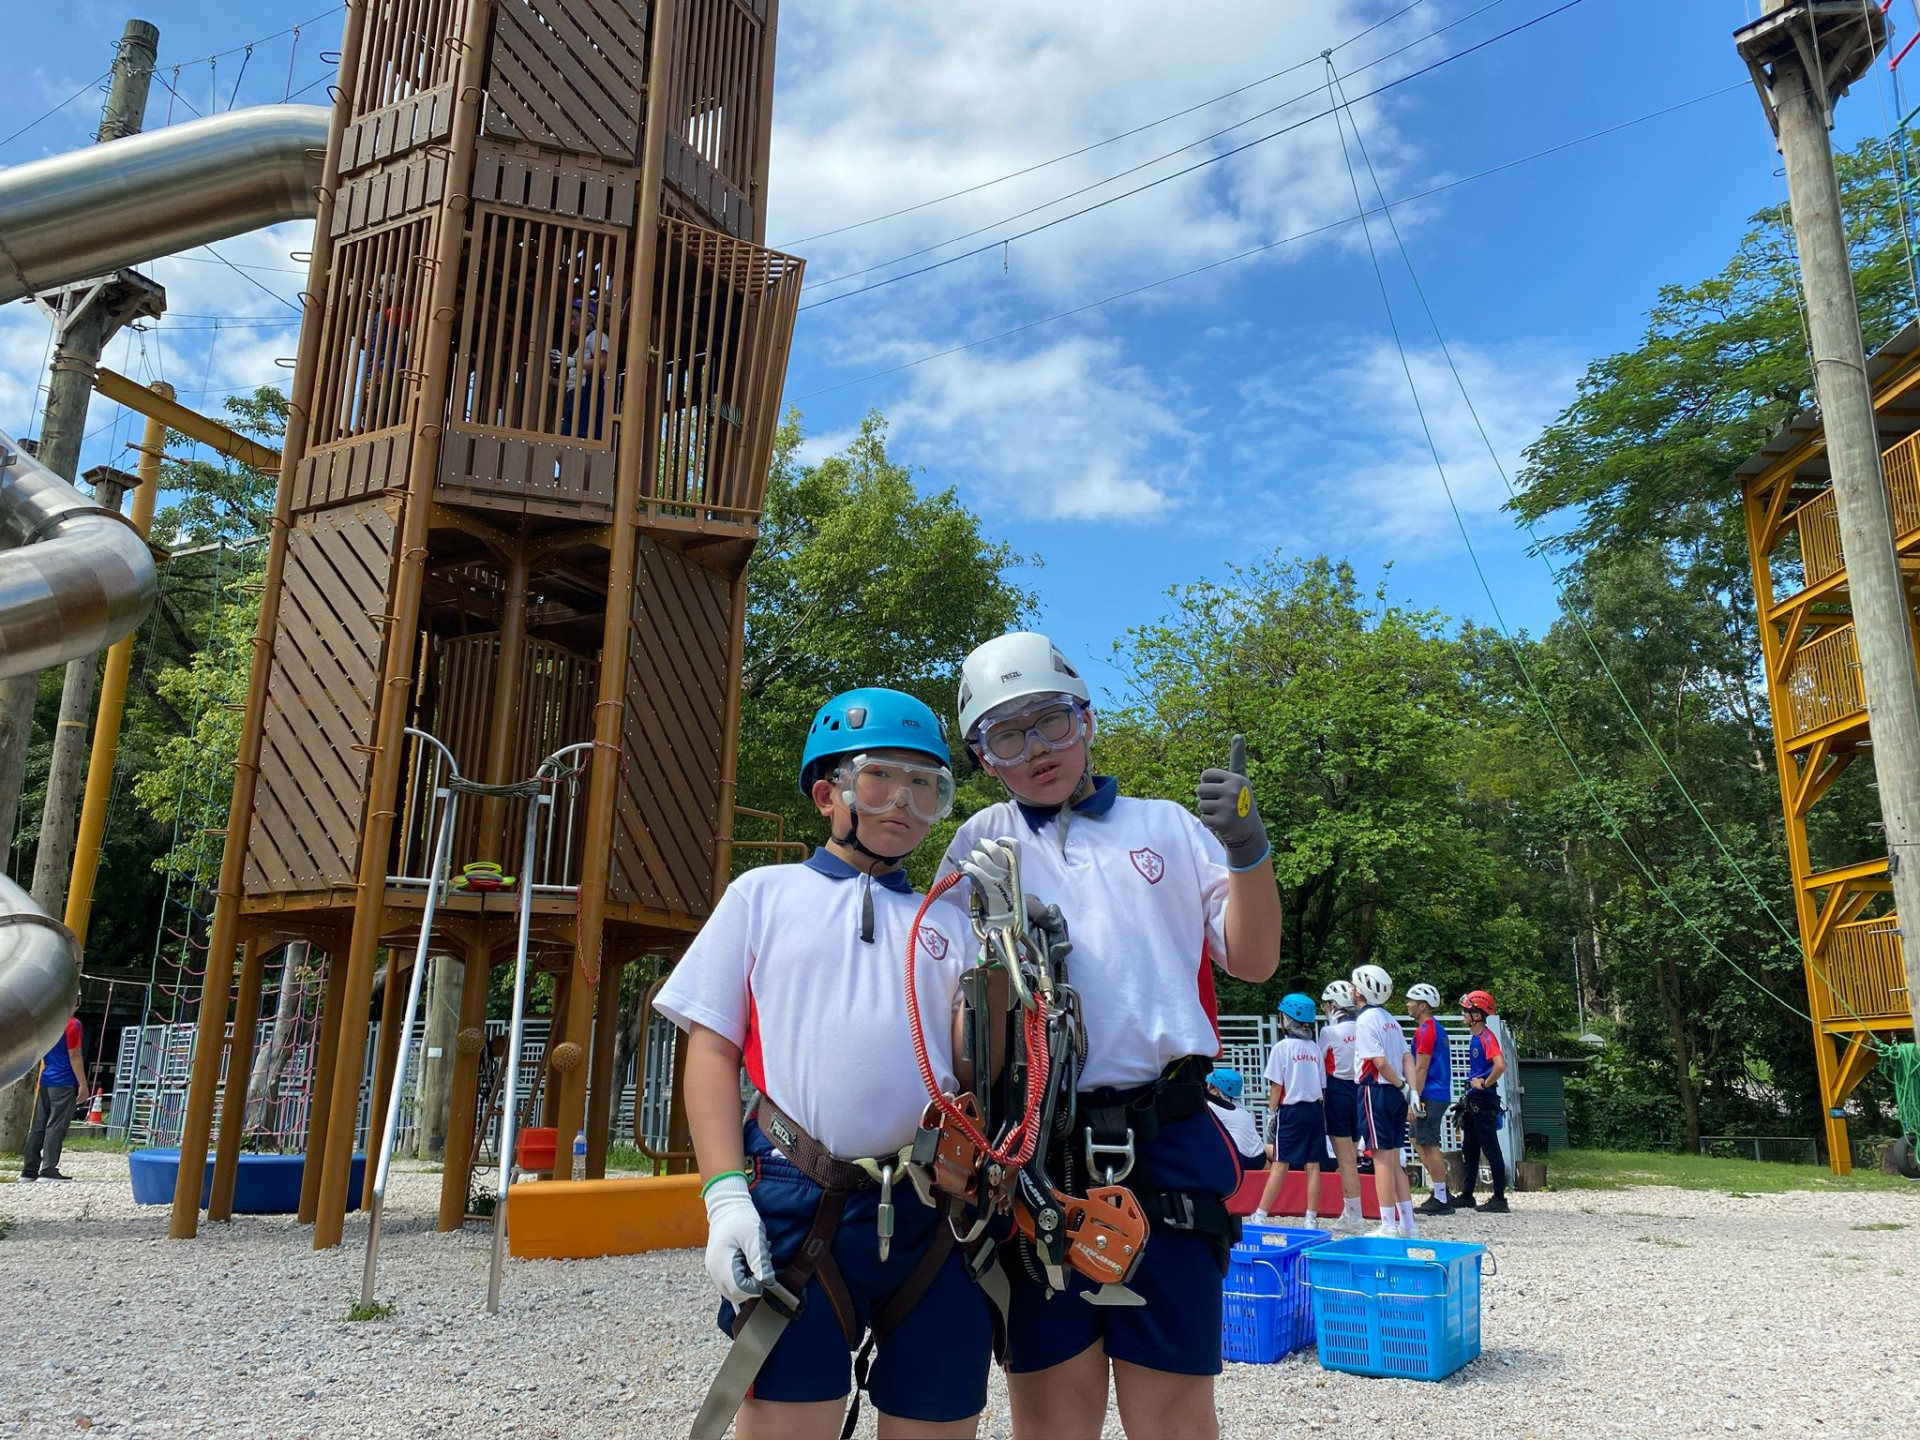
1241	1128
820	1015
1377	1035
1295	1066
1336	1045
1143	885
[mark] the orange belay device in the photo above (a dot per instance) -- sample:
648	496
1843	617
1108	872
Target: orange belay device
986	1149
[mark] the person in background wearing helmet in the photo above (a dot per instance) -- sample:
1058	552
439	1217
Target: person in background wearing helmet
1224	1089
1343	1096
1155	899
1380	1065
797	975
1480	1106
1432	1085
1296	1083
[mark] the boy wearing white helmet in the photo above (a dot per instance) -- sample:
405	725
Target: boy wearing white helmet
1343	1095
1380	1066
1156	899
1432	1087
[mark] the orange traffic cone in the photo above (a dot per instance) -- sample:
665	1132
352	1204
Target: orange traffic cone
95	1114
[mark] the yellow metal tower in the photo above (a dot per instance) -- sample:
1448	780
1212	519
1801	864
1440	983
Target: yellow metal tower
1856	985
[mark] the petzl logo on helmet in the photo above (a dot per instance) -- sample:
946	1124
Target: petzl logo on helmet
933	942
1148	863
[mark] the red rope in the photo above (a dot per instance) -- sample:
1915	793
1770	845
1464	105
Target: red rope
1024	1138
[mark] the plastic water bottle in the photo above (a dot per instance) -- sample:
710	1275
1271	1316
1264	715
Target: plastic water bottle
580	1156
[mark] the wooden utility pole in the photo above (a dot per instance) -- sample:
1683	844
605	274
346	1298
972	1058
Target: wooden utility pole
1803	55
85	318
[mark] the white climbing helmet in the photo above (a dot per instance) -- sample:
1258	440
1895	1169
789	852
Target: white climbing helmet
1338	995
1372	984
1426	993
1014	667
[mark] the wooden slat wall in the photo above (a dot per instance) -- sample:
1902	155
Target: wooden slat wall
534	179
724	312
371	324
569	75
676	695
403	95
713	150
321	692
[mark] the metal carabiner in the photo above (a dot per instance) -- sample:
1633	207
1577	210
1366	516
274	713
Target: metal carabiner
1125	1152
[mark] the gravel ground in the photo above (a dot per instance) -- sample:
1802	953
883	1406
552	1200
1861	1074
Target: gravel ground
1646	1313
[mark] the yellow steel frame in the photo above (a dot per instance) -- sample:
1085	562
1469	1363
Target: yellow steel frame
1851	947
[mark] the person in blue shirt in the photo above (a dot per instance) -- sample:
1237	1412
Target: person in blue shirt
63	1085
1432	1082
1480	1106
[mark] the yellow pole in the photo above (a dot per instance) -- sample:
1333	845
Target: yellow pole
113	699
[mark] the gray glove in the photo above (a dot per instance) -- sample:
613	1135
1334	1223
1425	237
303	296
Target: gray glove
1227	809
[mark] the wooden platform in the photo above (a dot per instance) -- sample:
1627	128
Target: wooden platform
582	1219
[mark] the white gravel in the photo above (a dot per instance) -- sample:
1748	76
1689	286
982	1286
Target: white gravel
1645	1313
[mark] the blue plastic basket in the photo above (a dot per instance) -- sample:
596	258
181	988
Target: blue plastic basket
1403	1308
1266	1310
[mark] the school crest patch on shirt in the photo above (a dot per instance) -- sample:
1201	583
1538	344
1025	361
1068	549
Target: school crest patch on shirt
933	942
1148	863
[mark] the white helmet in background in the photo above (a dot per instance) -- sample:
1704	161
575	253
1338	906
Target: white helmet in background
1014	667
1338	995
1372	984
1425	993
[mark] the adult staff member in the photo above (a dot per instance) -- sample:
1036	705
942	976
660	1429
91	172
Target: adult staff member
1480	1106
1156	900
63	1086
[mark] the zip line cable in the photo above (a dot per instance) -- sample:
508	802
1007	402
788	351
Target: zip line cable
1110	140
1561	586
1276	244
1533	689
49	113
1211	160
1136	169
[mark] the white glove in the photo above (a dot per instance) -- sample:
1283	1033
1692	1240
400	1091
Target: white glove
738	1256
1415	1105
987	866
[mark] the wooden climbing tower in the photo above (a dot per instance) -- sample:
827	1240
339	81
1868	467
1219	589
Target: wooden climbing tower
533	411
1856	986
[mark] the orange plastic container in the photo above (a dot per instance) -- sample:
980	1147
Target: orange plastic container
534	1148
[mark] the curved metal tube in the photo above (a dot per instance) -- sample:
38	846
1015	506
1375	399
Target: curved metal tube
91	211
74	578
39	981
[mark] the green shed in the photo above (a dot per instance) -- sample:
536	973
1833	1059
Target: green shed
1543	1097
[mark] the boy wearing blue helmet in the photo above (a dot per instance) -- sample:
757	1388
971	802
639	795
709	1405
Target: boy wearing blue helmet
1224	1089
797	978
1296	1084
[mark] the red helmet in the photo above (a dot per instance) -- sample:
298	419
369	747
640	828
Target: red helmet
1477	1000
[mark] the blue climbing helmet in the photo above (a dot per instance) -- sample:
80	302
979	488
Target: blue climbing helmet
870	719
1299	1008
1227	1081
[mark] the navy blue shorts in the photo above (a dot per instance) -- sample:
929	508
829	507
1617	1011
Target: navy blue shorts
1383	1117
933	1367
1343	1108
1178	1329
1300	1134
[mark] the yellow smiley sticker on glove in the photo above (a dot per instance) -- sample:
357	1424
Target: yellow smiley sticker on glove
1245	803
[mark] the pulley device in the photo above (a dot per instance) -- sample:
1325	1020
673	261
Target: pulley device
986	1148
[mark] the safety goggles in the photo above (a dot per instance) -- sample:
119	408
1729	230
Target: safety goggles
873	786
1057	727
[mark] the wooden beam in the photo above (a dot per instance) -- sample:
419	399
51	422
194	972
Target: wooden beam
191	423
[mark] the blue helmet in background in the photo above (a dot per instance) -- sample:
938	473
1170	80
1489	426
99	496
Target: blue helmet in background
870	719
1227	1081
1299	1008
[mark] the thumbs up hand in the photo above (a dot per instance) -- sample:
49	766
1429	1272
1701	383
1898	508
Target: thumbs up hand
1227	809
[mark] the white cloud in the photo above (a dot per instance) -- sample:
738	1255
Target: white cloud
1066	432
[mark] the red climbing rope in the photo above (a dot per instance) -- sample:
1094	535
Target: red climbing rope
1024	1138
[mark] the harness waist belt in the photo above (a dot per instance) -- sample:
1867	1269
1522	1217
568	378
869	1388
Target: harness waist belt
812	1158
1180	1092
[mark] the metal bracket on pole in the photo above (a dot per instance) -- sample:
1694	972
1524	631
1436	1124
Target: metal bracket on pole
1837	41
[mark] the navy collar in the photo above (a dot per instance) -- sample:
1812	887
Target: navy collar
823	861
1106	790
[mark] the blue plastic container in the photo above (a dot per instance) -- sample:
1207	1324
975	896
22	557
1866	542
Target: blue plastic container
263	1185
1409	1309
1266	1310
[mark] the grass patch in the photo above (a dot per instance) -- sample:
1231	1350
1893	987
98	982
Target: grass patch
82	1144
628	1159
1882	1225
378	1310
1664	1242
1618	1170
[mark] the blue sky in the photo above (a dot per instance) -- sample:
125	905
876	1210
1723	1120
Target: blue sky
1141	444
